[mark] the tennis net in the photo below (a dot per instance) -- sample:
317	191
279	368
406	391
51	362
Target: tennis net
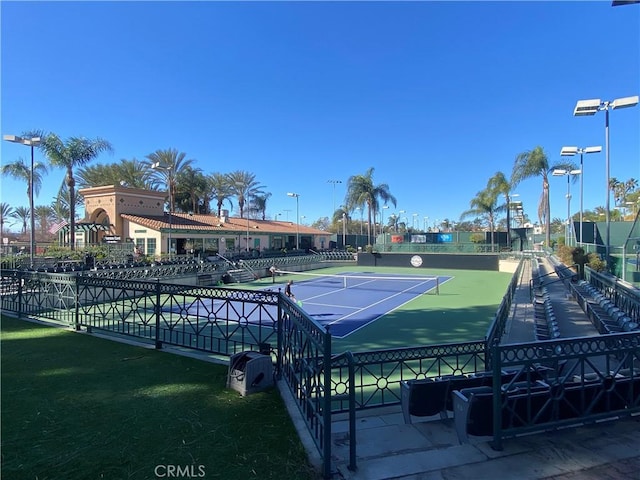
412	284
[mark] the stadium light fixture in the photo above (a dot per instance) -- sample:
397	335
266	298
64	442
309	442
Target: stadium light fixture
568	173
297	197
591	107
334	192
569	152
30	142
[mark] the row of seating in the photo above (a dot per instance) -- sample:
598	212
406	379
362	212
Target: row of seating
426	397
545	323
605	315
540	406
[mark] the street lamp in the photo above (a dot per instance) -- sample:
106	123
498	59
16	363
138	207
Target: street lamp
591	107
297	197
559	173
159	166
30	142
334	191
570	152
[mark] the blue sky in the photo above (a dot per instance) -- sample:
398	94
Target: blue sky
435	96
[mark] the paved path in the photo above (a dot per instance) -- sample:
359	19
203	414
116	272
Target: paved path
387	448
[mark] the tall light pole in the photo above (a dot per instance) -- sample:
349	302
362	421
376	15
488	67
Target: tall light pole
344	230
384	207
570	152
159	166
591	107
30	142
297	197
334	192
559	173
400	217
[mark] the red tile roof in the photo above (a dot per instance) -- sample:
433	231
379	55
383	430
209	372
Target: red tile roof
212	223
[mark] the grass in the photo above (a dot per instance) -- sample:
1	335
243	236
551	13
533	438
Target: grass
81	407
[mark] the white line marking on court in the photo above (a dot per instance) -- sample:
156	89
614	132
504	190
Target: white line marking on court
366	324
380	301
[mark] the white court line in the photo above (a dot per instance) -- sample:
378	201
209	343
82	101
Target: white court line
380	301
329	305
366	324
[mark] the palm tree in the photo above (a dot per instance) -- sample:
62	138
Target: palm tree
168	164
6	211
220	190
502	186
258	204
243	186
361	191
69	154
534	163
484	204
191	189
132	173
44	214
20	170
22	215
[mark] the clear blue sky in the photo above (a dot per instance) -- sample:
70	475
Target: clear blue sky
436	96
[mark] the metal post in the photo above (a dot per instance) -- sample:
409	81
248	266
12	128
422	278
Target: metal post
607	213
297	222
581	195
568	230
508	222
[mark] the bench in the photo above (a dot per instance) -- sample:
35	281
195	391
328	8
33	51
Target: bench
431	396
540	404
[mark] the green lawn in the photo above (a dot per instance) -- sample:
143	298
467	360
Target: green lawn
81	407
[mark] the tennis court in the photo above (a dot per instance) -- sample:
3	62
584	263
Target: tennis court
348	301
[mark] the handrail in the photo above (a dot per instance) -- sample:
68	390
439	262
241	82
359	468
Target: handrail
225	259
555	271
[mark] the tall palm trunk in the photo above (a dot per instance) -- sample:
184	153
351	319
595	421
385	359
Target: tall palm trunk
71	184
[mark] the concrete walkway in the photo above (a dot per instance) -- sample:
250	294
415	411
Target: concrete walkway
387	448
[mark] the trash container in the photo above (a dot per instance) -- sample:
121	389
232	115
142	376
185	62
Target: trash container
250	372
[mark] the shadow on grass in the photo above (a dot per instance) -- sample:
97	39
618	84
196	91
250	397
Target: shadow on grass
78	407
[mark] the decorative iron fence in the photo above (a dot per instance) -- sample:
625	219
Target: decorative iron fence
226	321
590	379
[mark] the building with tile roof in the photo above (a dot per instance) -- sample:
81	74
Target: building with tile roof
118	213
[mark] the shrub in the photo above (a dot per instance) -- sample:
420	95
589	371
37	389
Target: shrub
596	263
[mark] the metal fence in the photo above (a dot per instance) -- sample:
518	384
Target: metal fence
225	321
622	294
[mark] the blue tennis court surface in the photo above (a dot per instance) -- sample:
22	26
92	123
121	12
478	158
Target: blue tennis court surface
349	305
345	302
